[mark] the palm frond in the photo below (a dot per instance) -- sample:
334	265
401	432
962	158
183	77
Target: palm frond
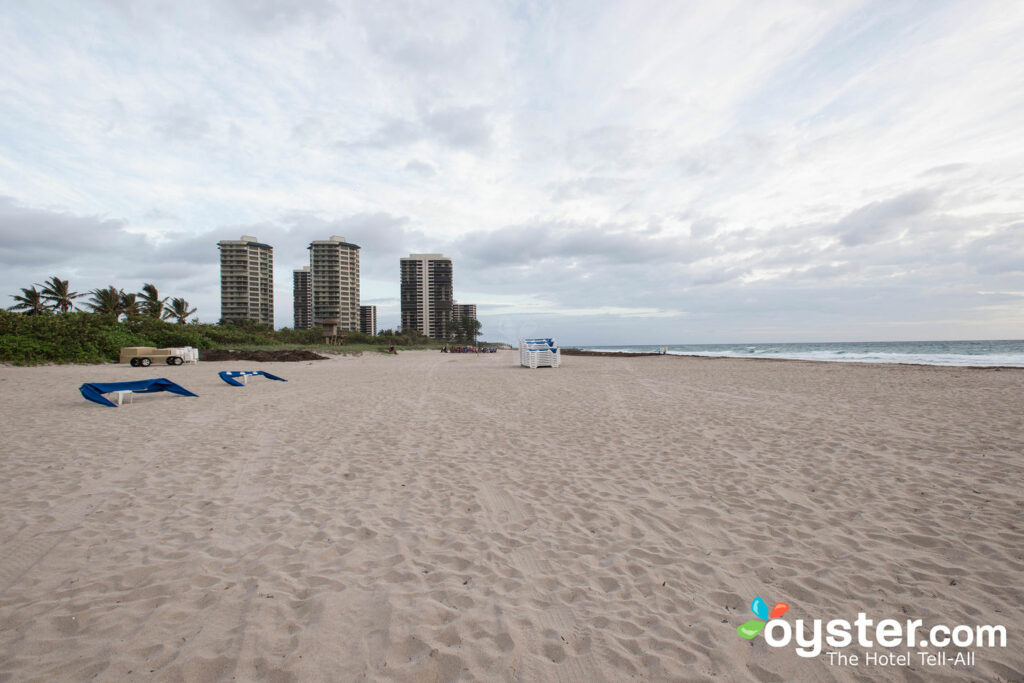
30	301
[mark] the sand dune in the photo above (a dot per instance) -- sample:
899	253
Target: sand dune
435	517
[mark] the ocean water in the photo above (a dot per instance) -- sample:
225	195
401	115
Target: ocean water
962	353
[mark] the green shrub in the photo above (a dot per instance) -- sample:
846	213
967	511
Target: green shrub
63	338
93	338
358	338
287	335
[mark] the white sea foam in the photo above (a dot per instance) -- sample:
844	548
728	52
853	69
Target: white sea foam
954	353
1006	360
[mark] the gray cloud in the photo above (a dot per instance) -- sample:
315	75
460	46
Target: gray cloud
436	42
739	154
880	220
93	252
612	147
454	127
269	15
999	253
37	237
421	168
580	188
182	123
394	132
460	127
157	214
262	16
309	130
946	169
545	241
703	227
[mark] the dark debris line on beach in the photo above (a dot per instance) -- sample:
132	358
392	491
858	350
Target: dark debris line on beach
278	356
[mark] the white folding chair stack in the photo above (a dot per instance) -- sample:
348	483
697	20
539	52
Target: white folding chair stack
539	353
188	354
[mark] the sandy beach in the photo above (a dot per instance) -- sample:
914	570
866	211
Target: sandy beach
455	517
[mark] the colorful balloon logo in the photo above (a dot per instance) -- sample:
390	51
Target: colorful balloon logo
760	609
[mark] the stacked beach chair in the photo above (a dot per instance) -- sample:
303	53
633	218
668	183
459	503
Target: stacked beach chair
539	353
189	354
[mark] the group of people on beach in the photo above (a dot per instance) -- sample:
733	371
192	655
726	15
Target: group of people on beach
469	349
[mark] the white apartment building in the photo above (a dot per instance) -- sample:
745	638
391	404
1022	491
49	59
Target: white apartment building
246	280
334	268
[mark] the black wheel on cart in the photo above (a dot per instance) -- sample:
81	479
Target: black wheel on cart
170	360
145	362
134	362
177	360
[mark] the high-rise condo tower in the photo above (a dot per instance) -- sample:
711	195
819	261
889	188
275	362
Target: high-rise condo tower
334	264
368	320
302	292
427	294
246	280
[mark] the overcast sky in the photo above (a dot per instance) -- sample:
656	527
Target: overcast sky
606	173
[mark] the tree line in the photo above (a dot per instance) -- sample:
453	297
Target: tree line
463	330
55	296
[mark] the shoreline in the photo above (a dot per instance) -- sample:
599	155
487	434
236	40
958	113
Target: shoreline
634	354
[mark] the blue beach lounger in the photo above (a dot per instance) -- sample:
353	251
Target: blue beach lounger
229	376
94	391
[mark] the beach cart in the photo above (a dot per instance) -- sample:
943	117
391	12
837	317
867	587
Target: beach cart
144	356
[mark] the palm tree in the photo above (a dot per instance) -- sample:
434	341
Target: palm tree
30	301
56	293
109	301
151	303
129	304
178	309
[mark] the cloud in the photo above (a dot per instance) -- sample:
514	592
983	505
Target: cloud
946	169
879	220
460	127
35	237
736	154
543	241
733	162
463	128
612	147
421	168
268	15
999	253
182	123
582	188
392	133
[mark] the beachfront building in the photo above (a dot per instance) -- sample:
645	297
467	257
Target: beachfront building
334	268
368	320
427	294
246	280
461	311
302	293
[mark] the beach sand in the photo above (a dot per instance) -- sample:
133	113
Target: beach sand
439	517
